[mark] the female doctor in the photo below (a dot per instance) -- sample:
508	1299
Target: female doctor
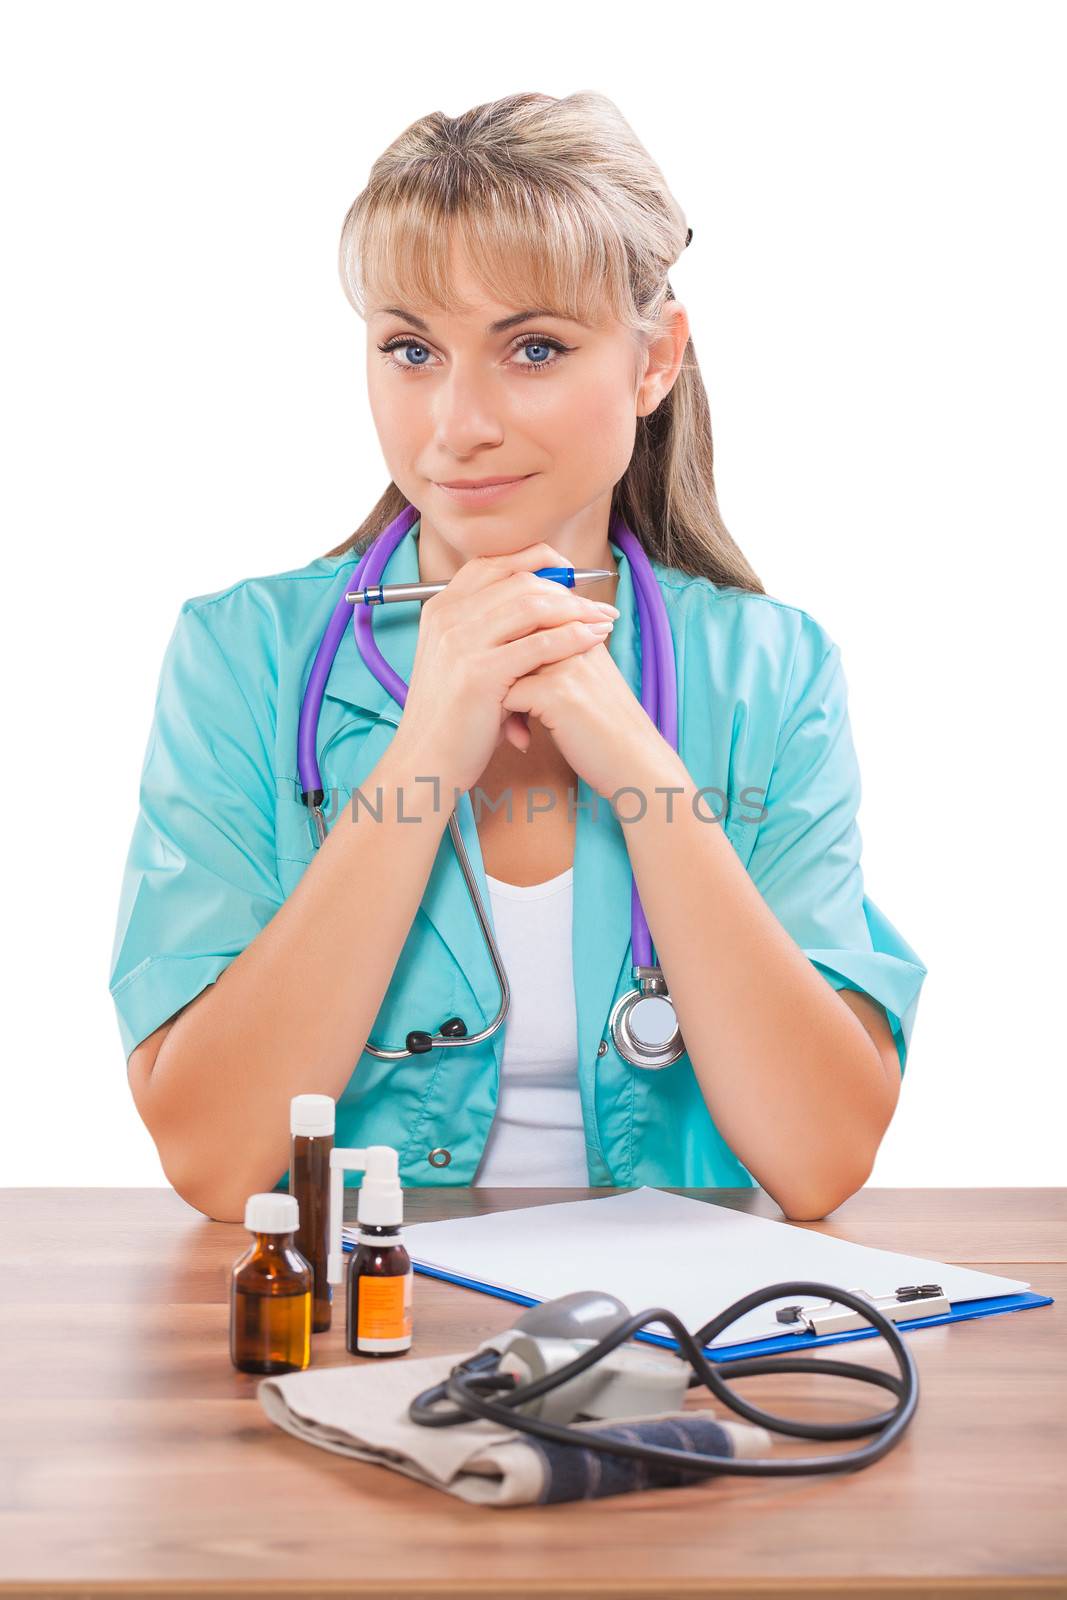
261	948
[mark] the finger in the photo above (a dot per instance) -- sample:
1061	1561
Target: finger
517	731
534	603
481	571
534	650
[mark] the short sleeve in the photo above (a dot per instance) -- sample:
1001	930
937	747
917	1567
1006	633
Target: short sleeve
201	875
806	857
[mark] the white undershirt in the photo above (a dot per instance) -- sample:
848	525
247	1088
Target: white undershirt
537	1138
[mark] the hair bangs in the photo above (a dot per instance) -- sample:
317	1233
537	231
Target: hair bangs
407	247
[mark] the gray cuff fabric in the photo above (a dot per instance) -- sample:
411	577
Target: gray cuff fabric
362	1412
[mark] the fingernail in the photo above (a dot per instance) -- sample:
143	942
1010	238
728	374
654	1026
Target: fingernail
602	628
605	605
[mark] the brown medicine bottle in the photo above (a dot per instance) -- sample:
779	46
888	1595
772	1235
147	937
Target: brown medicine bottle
380	1279
380	1274
311	1124
270	1291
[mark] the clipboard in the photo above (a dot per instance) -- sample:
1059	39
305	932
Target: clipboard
638	1241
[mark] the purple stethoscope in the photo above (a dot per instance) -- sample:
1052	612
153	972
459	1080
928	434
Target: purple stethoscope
644	1026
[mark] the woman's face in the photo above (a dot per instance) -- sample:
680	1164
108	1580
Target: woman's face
546	399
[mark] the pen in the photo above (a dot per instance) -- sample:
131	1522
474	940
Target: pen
381	593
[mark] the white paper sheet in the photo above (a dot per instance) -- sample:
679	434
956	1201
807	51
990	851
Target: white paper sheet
652	1248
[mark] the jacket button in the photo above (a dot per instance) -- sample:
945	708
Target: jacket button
602	1048
439	1158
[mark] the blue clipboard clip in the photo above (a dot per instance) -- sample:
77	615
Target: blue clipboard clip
900	1306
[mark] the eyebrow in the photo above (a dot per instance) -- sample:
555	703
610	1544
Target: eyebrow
494	327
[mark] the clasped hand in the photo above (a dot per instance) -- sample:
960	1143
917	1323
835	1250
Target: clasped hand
499	644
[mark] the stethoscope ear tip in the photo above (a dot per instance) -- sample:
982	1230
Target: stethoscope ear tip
418	1042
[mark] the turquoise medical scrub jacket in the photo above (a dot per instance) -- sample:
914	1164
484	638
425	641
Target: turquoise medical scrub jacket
222	838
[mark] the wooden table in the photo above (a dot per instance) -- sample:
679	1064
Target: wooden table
135	1459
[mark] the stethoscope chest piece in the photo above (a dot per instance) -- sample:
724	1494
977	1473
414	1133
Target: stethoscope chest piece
644	1025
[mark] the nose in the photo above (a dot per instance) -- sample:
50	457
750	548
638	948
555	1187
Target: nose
467	415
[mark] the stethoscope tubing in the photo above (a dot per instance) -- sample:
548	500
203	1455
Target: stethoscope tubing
311	705
659	695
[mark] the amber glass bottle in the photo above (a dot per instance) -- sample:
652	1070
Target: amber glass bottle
380	1277
270	1291
311	1124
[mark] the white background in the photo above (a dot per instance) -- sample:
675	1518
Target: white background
875	287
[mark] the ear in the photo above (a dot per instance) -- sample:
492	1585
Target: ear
666	351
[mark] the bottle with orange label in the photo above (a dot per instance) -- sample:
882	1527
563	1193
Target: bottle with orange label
379	1276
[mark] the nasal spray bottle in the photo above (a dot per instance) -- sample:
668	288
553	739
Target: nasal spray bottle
379	1274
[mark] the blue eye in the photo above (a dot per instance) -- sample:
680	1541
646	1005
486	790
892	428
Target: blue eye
408	344
540	342
535	344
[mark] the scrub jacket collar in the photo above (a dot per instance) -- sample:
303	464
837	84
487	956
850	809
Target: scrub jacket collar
602	875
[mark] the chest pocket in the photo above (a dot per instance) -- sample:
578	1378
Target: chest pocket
425	989
294	830
341	759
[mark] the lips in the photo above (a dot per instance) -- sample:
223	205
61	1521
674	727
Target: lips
478	483
482	492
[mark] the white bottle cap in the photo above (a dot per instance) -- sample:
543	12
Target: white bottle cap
311	1114
272	1213
381	1199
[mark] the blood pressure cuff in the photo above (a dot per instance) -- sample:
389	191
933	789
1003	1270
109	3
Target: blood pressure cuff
362	1412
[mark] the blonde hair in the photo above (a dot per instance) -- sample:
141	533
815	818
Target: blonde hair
558	196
